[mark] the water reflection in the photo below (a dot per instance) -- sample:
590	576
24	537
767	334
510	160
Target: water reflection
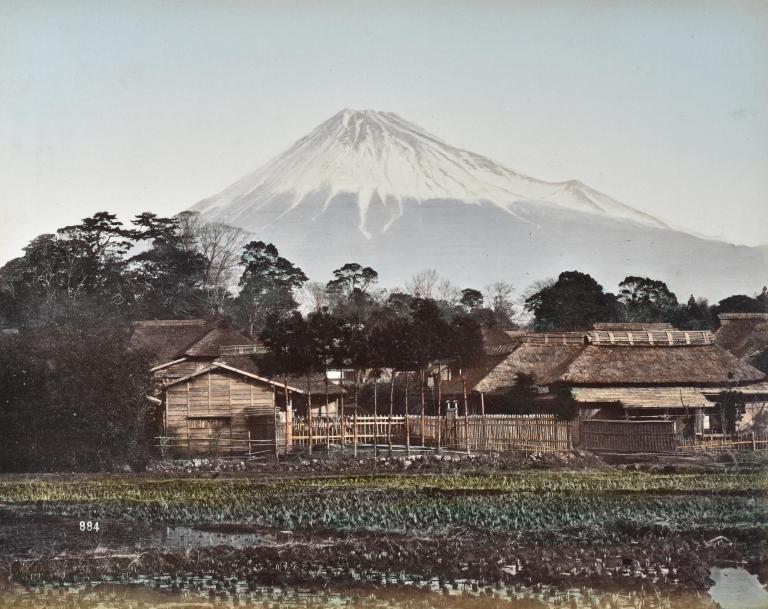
208	593
737	589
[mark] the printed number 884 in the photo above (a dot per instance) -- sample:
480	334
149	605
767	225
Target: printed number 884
88	525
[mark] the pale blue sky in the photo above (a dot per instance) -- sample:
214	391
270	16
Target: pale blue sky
132	106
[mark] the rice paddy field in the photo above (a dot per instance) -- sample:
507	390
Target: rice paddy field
614	529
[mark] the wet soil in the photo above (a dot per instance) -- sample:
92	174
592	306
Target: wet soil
36	548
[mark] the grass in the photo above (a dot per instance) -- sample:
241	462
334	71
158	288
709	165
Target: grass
604	504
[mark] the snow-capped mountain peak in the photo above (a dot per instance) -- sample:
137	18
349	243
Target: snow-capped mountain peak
380	157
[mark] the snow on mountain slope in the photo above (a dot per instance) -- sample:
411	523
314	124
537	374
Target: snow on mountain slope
379	155
373	188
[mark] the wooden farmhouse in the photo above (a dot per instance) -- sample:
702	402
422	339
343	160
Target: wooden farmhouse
624	372
210	393
743	334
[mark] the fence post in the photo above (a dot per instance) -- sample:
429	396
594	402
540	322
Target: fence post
354	430
423	404
483	430
249	442
754	444
466	410
375	417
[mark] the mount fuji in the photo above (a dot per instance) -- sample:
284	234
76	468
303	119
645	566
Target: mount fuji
371	187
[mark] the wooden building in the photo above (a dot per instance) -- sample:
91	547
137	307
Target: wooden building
211	394
626	372
743	334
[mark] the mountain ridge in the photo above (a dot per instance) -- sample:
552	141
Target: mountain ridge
373	187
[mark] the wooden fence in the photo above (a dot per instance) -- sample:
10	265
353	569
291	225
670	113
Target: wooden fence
749	441
628	436
499	433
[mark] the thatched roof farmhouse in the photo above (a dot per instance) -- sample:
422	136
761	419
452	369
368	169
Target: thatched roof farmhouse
210	389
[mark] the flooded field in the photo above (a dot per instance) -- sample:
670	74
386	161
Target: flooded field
527	540
733	589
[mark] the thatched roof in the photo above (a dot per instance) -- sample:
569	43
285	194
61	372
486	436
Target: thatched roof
545	363
693	365
250	365
216	340
644	397
743	334
500	342
166	340
757	391
632	326
555	338
651	338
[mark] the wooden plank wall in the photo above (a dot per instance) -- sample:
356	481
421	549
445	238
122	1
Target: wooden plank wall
208	412
628	436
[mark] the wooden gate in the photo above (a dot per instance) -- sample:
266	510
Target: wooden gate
628	436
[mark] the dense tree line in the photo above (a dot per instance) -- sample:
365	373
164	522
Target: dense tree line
576	301
72	295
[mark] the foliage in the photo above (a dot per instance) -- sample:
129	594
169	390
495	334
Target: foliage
74	395
646	299
267	286
731	407
606	504
574	302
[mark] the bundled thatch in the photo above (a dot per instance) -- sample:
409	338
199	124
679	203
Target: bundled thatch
545	363
672	338
555	338
165	340
499	342
743	334
217	340
632	326
755	391
250	365
644	397
693	365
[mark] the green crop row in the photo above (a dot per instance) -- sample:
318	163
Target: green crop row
190	490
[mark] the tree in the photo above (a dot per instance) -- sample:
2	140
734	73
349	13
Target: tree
574	302
350	279
646	299
167	280
267	285
740	303
731	409
423	284
471	299
89	393
499	297
221	246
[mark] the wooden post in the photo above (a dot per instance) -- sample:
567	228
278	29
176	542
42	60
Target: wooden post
407	431
249	442
375	417
288	436
483	432
277	423
391	410
354	430
309	412
754	444
423	405
466	409
327	414
439	402
341	413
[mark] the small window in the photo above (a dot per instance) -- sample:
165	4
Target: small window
209	423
